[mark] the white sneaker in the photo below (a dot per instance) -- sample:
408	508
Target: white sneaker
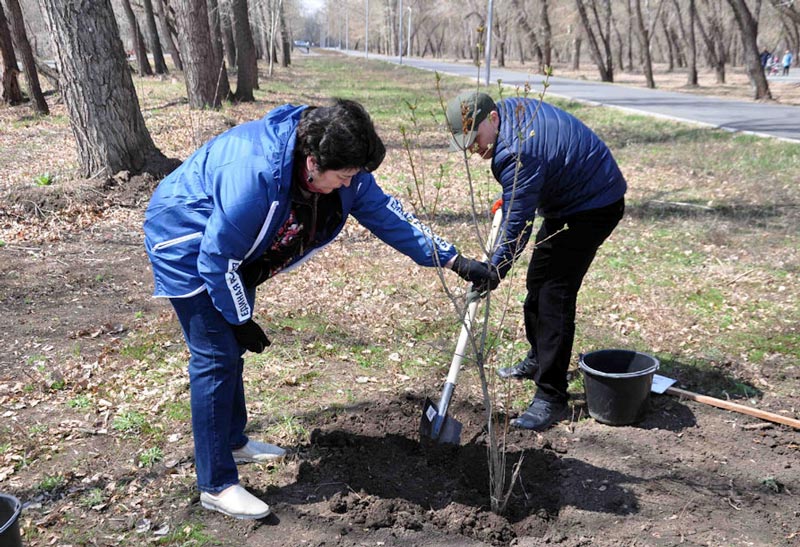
235	502
256	452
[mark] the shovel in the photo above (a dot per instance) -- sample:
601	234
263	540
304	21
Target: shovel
435	423
662	384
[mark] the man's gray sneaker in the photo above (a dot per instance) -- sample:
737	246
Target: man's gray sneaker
524	370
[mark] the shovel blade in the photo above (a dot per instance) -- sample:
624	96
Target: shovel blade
442	429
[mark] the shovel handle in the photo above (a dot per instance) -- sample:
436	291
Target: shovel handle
472	306
735	407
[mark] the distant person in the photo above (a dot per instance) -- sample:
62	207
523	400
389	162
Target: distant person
255	201
787	62
765	57
548	163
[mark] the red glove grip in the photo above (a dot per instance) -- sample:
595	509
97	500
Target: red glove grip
497	205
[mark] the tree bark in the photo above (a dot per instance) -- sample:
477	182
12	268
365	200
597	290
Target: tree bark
100	96
201	76
214	27
527	29
139	48
547	35
604	65
749	35
23	46
166	34
11	92
50	73
226	28
159	63
577	42
286	46
247	69
688	36
629	9
644	44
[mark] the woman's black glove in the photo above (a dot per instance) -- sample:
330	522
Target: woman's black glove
251	336
254	274
483	276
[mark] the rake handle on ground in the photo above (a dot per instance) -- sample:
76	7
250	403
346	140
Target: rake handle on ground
735	407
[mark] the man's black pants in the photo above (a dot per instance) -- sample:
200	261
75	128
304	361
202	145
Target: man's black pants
554	277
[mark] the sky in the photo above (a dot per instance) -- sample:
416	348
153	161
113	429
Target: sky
310	6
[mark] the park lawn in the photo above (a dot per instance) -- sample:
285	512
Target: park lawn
702	273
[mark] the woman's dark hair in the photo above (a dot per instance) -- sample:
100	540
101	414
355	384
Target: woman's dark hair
340	136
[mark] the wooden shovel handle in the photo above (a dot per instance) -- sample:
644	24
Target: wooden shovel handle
727	405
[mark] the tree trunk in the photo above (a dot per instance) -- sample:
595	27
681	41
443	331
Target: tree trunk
620	46
247	70
11	92
138	41
155	44
644	44
286	47
50	73
670	51
576	52
688	38
100	96
713	37
691	43
547	35
749	35
604	66
201	75
228	42
630	34
527	29
166	34
214	22
26	53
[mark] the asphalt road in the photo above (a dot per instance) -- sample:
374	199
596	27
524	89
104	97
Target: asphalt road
763	119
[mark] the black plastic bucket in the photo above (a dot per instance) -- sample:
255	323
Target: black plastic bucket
10	508
617	384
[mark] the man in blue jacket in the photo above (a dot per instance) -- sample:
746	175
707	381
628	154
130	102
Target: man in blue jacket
255	201
546	161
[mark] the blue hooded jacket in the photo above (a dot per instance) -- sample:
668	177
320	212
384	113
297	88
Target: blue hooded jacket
547	160
223	206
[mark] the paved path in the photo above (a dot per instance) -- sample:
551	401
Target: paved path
761	119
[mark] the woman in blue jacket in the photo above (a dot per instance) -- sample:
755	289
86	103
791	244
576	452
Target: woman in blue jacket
254	201
546	161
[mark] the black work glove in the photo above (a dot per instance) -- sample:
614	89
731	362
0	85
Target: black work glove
483	276
251	336
254	274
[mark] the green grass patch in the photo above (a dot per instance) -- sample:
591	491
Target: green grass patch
179	411
51	483
188	533
130	423
150	456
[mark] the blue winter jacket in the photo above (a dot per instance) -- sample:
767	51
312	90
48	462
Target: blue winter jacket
223	206
547	160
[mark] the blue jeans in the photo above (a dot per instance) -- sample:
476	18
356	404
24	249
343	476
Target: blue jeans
219	414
